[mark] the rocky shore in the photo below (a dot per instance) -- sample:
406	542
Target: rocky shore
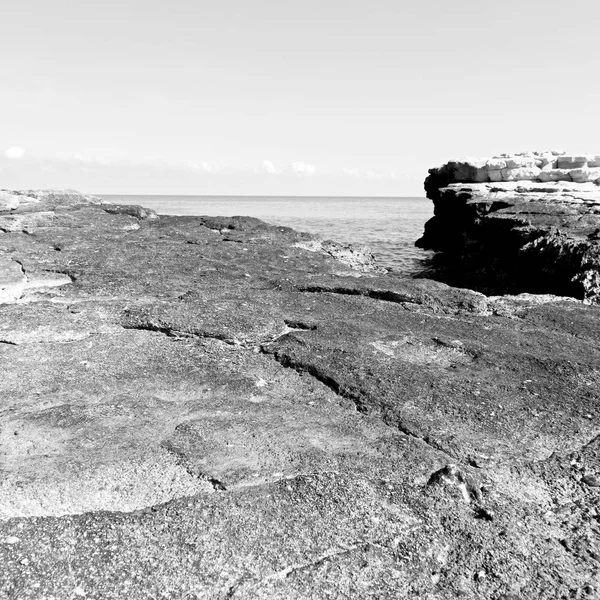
525	223
201	407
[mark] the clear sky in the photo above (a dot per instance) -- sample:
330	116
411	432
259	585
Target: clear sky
281	97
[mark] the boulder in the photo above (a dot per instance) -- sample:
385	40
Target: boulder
554	175
584	175
593	161
522	173
571	162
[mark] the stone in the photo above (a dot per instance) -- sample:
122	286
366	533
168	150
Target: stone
591	481
8	201
555	175
584	175
24	221
495	175
522	173
521	162
495	164
12	280
571	162
593	161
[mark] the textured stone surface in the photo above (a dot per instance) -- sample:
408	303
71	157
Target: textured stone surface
218	408
539	236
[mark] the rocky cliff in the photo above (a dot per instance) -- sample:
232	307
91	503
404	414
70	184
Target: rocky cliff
525	223
199	407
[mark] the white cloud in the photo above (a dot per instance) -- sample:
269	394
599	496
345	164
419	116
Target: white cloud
207	167
14	152
79	158
303	169
351	172
266	166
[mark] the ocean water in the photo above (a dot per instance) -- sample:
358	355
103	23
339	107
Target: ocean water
388	226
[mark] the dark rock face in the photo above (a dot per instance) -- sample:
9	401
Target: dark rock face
514	236
199	407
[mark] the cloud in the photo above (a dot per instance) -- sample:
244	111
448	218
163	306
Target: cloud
78	157
351	172
14	152
266	166
207	167
303	169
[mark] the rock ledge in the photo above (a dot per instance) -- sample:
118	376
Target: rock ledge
525	223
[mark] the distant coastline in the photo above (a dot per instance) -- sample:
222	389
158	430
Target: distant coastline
388	225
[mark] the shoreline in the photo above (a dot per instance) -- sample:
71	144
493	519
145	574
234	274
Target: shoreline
208	404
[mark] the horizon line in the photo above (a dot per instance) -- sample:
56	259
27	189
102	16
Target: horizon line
255	195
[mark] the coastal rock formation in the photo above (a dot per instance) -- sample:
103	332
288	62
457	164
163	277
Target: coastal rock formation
525	223
206	407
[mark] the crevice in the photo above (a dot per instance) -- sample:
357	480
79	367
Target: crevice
332	554
385	295
50	341
299	325
178	334
357	399
592	441
181	460
66	272
248	580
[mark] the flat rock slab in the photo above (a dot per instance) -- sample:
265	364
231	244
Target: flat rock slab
218	408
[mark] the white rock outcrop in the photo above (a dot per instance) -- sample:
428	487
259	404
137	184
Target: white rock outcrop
531	166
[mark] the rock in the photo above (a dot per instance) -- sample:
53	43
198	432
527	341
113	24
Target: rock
11	539
12	280
26	199
495	175
521	162
221	408
25	221
135	211
517	236
555	175
584	175
524	173
8	201
495	164
591	481
571	162
593	161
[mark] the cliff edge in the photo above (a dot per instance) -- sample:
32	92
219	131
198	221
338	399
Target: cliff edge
523	223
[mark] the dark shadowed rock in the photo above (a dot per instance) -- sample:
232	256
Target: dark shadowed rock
206	407
512	229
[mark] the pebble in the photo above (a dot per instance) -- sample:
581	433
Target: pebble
591	480
11	539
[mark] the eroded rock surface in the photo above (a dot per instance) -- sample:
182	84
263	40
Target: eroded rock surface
218	408
526	223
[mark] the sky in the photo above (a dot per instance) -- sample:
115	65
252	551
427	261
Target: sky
312	97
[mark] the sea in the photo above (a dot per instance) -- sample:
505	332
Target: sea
389	227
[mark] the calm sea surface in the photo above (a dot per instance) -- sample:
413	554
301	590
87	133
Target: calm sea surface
389	226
